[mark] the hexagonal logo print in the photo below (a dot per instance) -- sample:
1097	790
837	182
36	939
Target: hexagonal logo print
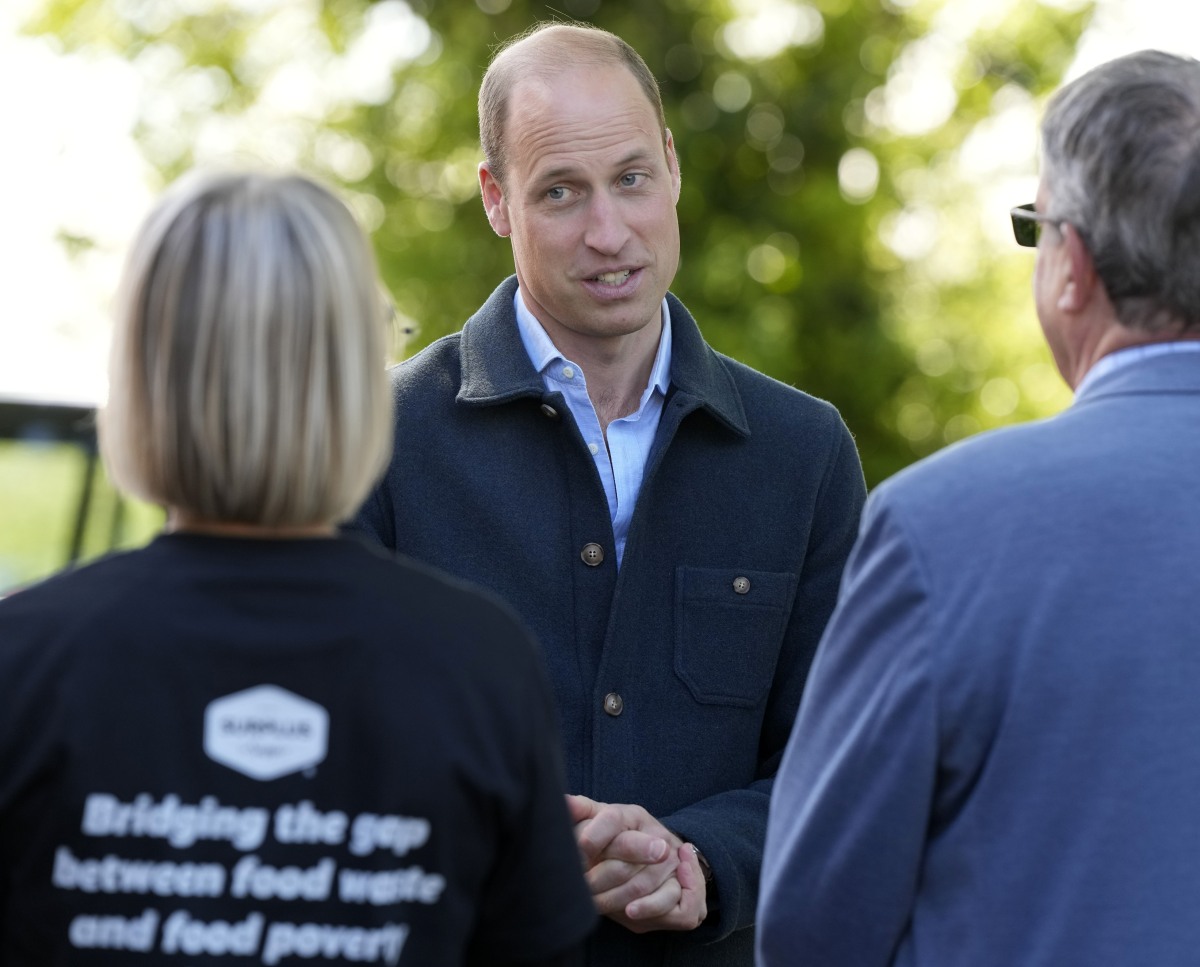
265	732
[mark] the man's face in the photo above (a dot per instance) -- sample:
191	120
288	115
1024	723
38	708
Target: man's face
589	203
1049	276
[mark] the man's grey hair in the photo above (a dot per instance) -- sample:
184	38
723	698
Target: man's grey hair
1121	160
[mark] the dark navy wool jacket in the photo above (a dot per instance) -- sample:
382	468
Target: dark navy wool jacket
677	678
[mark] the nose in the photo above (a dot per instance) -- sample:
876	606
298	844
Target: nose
606	230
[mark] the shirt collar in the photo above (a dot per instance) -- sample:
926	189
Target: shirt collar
495	368
543	353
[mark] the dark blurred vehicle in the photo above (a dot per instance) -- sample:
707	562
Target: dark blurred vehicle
26	419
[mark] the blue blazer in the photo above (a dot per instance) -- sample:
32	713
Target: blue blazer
998	758
748	478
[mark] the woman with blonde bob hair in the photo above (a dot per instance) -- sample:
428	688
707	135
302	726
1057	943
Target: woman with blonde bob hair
245	381
255	737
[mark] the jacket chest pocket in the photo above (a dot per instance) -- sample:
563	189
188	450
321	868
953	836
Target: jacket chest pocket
728	628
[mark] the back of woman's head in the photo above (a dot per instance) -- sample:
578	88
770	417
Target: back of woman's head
247	379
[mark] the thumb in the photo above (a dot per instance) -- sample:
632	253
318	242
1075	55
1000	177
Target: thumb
581	808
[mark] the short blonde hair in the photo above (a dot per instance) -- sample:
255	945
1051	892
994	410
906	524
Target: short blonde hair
247	375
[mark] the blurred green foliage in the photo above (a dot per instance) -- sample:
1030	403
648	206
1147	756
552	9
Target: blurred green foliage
796	185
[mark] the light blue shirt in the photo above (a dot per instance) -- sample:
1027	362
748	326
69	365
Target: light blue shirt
623	461
1127	357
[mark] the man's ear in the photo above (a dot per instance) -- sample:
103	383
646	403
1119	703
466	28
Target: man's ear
493	201
1081	280
673	166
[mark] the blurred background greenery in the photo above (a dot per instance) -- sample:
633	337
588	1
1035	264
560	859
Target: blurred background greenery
847	169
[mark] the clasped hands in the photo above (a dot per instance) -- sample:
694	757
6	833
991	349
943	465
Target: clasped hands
640	873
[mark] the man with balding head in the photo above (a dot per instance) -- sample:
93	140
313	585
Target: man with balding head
996	762
671	524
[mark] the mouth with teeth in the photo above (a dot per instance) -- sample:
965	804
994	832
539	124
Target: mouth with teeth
612	278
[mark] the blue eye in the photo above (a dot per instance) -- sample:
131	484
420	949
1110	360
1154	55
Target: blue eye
630	180
556	193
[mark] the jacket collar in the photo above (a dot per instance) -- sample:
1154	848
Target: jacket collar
1175	373
496	369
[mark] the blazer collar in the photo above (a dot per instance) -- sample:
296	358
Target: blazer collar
1175	373
496	368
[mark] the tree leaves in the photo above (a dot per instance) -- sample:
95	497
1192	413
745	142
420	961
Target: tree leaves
819	238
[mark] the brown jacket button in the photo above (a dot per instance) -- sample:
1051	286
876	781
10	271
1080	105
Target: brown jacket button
549	411
592	554
613	704
741	585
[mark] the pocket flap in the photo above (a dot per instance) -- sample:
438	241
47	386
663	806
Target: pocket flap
729	625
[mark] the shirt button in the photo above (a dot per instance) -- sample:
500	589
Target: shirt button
592	554
568	372
741	585
594	448
550	411
614	705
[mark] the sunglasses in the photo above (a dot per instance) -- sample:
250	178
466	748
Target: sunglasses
1027	224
